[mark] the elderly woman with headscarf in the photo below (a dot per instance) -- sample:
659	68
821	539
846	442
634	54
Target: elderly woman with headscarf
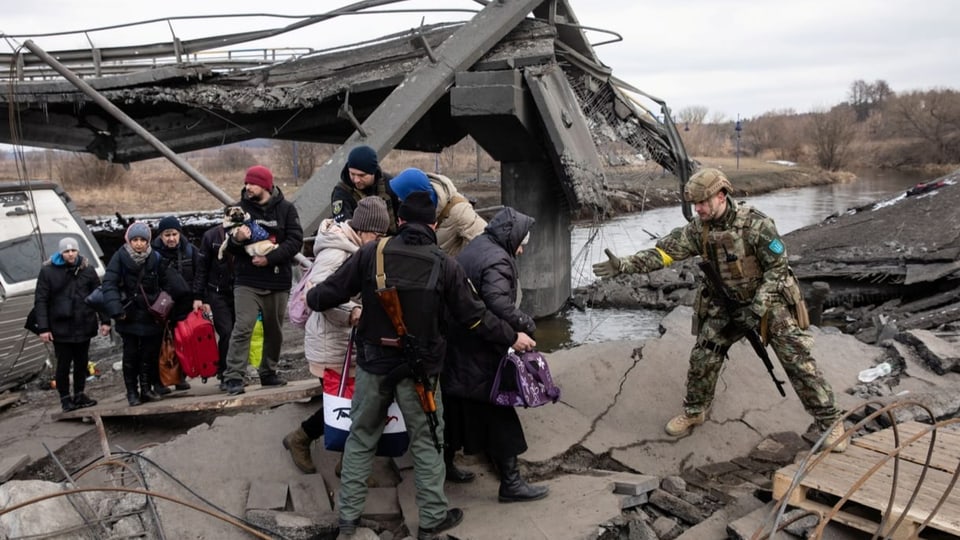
472	421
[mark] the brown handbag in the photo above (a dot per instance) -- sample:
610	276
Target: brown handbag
170	371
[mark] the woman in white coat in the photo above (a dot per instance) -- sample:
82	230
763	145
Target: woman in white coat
327	333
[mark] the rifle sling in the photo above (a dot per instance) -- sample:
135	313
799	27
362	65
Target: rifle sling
381	275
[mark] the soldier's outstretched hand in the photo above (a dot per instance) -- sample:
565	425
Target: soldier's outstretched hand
609	267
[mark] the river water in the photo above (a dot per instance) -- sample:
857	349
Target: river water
791	209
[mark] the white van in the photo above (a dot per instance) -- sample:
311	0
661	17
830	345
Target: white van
34	217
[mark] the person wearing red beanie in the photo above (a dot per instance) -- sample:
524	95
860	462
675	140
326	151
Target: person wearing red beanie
258	175
261	282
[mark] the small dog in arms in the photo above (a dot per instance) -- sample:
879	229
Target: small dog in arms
260	243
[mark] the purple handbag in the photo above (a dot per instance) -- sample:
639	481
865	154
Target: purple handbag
523	380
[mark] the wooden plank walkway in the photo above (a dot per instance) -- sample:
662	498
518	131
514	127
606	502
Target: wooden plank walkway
833	477
201	397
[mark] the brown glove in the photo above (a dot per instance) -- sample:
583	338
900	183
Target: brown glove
608	268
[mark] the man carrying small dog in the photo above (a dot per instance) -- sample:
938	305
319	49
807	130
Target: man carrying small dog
262	282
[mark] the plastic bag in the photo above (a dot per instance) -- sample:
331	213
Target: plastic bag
256	343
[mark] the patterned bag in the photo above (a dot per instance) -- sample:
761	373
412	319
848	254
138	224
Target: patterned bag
523	380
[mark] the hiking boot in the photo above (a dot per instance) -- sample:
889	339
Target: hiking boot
836	434
454	517
82	401
182	385
272	379
683	423
67	404
455	474
234	387
298	443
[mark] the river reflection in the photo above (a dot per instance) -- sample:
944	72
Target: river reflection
791	209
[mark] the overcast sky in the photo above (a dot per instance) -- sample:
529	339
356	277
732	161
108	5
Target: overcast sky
733	57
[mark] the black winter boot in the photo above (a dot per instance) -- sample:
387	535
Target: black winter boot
82	401
513	488
67	404
455	475
130	382
147	393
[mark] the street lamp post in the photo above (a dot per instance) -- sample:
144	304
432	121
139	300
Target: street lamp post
738	128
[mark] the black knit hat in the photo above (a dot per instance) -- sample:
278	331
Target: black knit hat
169	222
363	158
418	207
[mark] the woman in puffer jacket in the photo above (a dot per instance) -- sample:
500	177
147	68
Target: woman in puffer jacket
134	278
327	333
471	421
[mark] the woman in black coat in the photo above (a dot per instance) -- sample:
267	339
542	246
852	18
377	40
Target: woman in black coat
472	421
64	319
134	278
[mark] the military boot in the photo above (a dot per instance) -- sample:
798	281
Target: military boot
683	423
298	443
836	436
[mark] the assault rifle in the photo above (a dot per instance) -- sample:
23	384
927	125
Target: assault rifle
414	366
732	305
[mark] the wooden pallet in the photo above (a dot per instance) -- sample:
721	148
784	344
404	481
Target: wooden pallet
833	477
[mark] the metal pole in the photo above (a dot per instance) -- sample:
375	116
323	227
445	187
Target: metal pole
114	111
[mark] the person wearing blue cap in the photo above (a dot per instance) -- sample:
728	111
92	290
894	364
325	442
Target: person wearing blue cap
362	177
457	222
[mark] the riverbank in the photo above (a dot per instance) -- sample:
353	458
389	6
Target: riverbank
635	188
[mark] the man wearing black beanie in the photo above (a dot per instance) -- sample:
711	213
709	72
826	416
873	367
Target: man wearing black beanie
362	177
429	285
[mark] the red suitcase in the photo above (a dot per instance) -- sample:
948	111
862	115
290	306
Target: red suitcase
195	341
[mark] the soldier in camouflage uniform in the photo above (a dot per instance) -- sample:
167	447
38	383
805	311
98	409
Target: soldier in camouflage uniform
744	246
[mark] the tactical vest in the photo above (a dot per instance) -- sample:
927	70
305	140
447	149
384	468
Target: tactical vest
734	257
416	272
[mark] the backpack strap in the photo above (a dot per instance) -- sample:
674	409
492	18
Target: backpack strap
455	200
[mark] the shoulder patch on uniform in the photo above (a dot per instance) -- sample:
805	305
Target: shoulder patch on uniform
776	246
337	206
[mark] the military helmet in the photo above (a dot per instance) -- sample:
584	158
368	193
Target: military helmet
705	184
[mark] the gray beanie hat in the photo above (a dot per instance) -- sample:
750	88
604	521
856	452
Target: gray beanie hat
138	229
68	244
371	216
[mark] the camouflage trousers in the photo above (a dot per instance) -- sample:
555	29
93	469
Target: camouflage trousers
792	347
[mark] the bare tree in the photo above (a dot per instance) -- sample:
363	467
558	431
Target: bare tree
87	170
298	160
693	115
832	133
865	98
932	116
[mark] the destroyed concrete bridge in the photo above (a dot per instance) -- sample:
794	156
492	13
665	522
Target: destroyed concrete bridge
519	77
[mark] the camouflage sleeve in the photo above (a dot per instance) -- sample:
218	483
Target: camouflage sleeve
772	256
681	243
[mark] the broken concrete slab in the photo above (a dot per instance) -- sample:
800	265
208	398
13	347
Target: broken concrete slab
939	354
9	465
573	509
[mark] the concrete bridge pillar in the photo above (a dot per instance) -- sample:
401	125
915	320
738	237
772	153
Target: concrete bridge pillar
532	187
